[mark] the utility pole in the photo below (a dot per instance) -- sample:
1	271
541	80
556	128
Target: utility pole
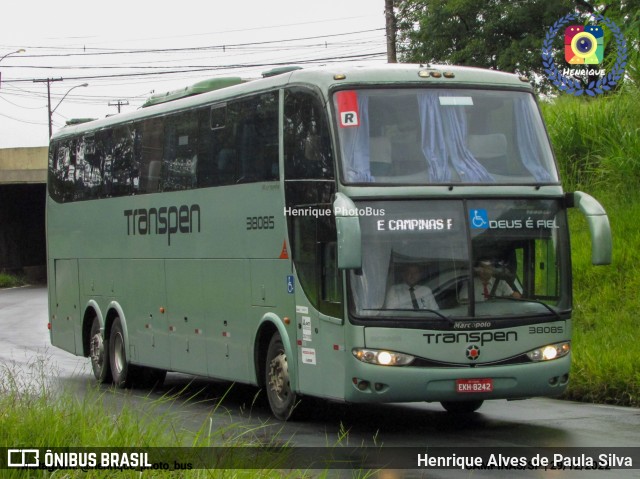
48	80
49	109
118	103
391	31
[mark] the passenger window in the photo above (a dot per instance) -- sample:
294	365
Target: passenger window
307	144
180	152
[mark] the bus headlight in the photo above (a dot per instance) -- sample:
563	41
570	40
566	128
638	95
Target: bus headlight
549	352
381	357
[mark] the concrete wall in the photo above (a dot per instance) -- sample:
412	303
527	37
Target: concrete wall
23	165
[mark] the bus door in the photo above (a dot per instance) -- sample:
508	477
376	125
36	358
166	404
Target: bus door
318	302
66	309
309	190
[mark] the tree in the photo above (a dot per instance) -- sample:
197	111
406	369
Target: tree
504	35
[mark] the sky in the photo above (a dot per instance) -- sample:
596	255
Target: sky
126	50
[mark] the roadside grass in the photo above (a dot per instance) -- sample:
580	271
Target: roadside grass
597	144
34	413
596	140
605	368
10	281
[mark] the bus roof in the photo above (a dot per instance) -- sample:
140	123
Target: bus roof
326	77
203	86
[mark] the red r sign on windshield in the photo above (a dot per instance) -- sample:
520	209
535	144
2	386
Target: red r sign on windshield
348	108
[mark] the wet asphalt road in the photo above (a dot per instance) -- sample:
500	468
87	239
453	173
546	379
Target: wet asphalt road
24	346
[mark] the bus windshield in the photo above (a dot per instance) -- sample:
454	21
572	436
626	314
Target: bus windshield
461	258
435	136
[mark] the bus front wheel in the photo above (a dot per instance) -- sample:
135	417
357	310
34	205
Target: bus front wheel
99	353
281	397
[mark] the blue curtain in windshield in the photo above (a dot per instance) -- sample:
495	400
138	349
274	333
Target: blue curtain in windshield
432	141
528	143
355	144
444	135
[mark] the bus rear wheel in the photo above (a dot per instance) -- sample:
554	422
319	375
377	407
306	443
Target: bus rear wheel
99	353
281	397
120	368
462	407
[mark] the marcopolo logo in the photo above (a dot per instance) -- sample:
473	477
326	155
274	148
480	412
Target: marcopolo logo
584	45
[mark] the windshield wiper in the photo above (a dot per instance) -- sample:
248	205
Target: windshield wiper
536	301
434	311
440	315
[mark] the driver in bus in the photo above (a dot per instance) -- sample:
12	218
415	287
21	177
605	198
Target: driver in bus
487	284
409	294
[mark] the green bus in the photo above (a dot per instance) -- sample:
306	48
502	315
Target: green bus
364	234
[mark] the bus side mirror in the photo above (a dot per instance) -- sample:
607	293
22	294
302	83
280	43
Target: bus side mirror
348	232
598	221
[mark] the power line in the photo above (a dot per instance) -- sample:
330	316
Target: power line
243	30
191	49
218	67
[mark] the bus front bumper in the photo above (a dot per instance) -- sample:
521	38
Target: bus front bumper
381	384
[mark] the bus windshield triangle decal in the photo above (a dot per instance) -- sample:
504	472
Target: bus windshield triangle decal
284	254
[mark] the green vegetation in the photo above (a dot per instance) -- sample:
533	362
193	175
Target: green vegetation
506	35
10	281
597	143
35	413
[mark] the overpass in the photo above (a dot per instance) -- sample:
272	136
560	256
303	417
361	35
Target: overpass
23	177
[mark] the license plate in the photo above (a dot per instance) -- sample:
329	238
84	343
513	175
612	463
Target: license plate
474	385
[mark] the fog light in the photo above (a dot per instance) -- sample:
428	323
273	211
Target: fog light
363	385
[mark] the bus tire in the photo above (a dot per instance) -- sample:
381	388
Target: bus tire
99	353
281	397
120	367
462	407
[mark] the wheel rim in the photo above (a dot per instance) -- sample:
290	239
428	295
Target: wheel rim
96	351
279	385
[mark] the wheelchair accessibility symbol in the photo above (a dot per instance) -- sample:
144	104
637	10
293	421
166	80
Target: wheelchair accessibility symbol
479	219
290	288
